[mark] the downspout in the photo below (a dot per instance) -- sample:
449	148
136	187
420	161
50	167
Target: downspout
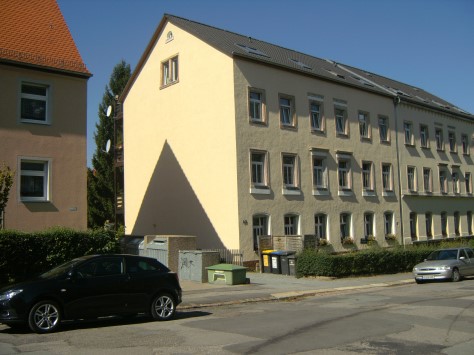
396	102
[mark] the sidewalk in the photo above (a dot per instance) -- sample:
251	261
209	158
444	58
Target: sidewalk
267	287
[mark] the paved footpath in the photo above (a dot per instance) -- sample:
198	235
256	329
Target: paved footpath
267	287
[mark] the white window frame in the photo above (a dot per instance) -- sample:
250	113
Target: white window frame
291	224
320	173
46	174
455	180
424	136
408	129
27	96
384	129
316	116
388	223
427	180
290	171
287	111
257	105
364	125
369	224
367	176
260	228
412	179
170	71
345	224
439	139
320	225
465	144
443	180
468	183
387	178
261	169
452	141
340	114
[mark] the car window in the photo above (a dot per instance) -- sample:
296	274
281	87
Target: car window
470	253
462	253
135	265
101	267
443	255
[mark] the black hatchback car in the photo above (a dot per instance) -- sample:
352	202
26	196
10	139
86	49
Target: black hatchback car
89	287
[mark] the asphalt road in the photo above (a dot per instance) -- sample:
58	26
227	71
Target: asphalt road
434	318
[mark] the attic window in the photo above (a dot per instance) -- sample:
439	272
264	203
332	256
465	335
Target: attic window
422	99
335	74
362	81
252	50
300	64
169	37
440	104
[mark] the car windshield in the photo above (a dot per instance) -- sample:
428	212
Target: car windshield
60	270
443	255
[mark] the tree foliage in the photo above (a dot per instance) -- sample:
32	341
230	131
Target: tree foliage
100	179
6	182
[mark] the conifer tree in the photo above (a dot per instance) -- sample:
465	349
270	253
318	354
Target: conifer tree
100	179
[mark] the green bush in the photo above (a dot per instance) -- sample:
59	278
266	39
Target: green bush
367	262
23	255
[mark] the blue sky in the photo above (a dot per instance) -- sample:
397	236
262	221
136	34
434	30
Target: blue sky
425	43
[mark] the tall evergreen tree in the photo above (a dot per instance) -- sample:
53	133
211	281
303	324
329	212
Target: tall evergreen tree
100	179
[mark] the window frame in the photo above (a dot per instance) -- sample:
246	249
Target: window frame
292	124
291	222
452	142
262	103
439	139
321	188
293	173
367	176
28	96
429	225
444	223
468	182
424	136
46	175
364	125
320	114
455	180
443	180
465	144
265	227
413	225
385	121
412	183
388	175
320	226
259	187
388	223
170	71
345	224
427	180
347	173
408	133
369	228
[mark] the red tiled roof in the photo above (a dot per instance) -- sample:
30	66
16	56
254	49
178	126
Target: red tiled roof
35	32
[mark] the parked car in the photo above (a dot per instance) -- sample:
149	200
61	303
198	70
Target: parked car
448	264
90	287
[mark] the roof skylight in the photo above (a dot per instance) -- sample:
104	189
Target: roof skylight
252	50
301	64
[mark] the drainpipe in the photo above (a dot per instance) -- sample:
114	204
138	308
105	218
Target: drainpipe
396	102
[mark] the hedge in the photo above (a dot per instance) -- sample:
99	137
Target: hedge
23	255
314	262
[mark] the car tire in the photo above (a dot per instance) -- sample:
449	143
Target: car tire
456	276
44	317
419	282
163	307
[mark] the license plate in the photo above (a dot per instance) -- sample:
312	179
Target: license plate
428	277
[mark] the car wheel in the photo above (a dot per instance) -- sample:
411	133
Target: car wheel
163	307
418	281
44	317
456	276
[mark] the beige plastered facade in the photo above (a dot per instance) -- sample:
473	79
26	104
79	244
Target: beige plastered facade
62	142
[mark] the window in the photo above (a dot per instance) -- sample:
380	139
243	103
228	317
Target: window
467	183
439	139
257	106
456	224
443	181
444	224
340	114
452	142
320	226
368	224
315	113
408	129
427	180
259	227
34	103
429	224
388	223
424	142
469	223
383	129
34	180
102	267
290	177
364	125
344	174
320	175
169	71
465	144
287	111
411	178
345	225
367	176
387	183
413	223
455	177
259	168
291	224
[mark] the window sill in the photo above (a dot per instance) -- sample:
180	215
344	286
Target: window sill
293	191
320	192
263	190
39	122
288	127
366	139
368	193
164	86
345	193
342	135
388	193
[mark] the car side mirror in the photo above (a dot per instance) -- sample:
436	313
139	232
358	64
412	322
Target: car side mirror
462	258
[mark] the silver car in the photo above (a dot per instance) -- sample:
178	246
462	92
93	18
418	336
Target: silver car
445	264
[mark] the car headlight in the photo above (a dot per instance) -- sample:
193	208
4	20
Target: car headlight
443	268
9	294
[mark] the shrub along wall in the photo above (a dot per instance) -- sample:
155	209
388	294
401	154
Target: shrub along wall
23	255
313	262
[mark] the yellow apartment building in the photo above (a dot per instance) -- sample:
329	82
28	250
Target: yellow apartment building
227	138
